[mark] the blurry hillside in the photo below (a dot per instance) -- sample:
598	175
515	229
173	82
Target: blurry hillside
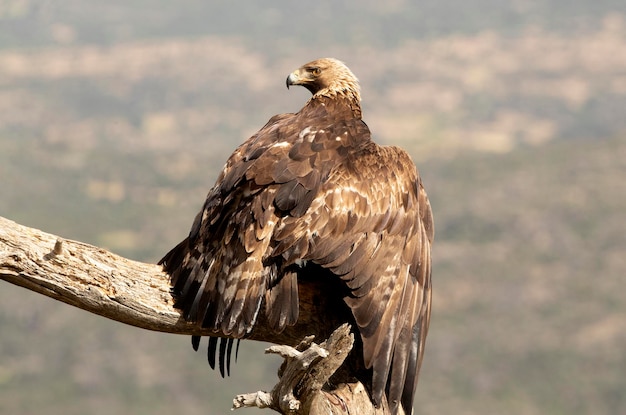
115	119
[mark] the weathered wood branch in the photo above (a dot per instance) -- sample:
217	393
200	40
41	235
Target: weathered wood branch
305	371
138	294
118	288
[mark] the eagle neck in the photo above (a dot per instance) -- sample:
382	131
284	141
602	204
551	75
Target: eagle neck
338	101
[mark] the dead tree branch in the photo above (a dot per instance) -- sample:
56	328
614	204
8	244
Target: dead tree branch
138	294
306	370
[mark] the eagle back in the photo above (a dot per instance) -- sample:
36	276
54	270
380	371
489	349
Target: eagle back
313	187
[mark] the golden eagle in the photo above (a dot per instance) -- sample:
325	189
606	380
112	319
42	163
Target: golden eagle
311	190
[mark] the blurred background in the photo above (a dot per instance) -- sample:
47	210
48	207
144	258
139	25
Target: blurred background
116	117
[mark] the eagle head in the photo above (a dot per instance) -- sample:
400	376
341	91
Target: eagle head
326	76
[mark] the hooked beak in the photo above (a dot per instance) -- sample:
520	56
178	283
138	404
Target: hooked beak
292	79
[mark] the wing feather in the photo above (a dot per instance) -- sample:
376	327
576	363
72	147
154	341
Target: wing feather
377	238
295	193
282	302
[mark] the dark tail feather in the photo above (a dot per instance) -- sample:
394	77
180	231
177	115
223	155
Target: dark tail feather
195	342
211	351
172	264
228	354
223	344
225	352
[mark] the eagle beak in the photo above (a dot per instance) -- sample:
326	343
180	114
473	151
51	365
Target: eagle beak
292	79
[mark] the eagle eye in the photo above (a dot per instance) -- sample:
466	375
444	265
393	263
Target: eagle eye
315	70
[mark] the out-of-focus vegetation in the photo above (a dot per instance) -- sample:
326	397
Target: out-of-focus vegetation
116	117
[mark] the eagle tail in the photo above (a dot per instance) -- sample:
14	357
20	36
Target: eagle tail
172	263
224	358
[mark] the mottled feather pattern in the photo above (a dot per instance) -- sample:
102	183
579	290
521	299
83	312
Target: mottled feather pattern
313	188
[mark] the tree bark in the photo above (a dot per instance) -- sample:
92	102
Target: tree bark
138	294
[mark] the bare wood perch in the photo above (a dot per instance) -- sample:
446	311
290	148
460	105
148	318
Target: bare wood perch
138	294
306	369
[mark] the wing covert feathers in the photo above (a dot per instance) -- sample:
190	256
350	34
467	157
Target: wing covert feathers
313	188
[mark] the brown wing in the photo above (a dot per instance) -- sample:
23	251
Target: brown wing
229	263
372	226
294	193
217	273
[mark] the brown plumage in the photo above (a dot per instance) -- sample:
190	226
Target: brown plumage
312	189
